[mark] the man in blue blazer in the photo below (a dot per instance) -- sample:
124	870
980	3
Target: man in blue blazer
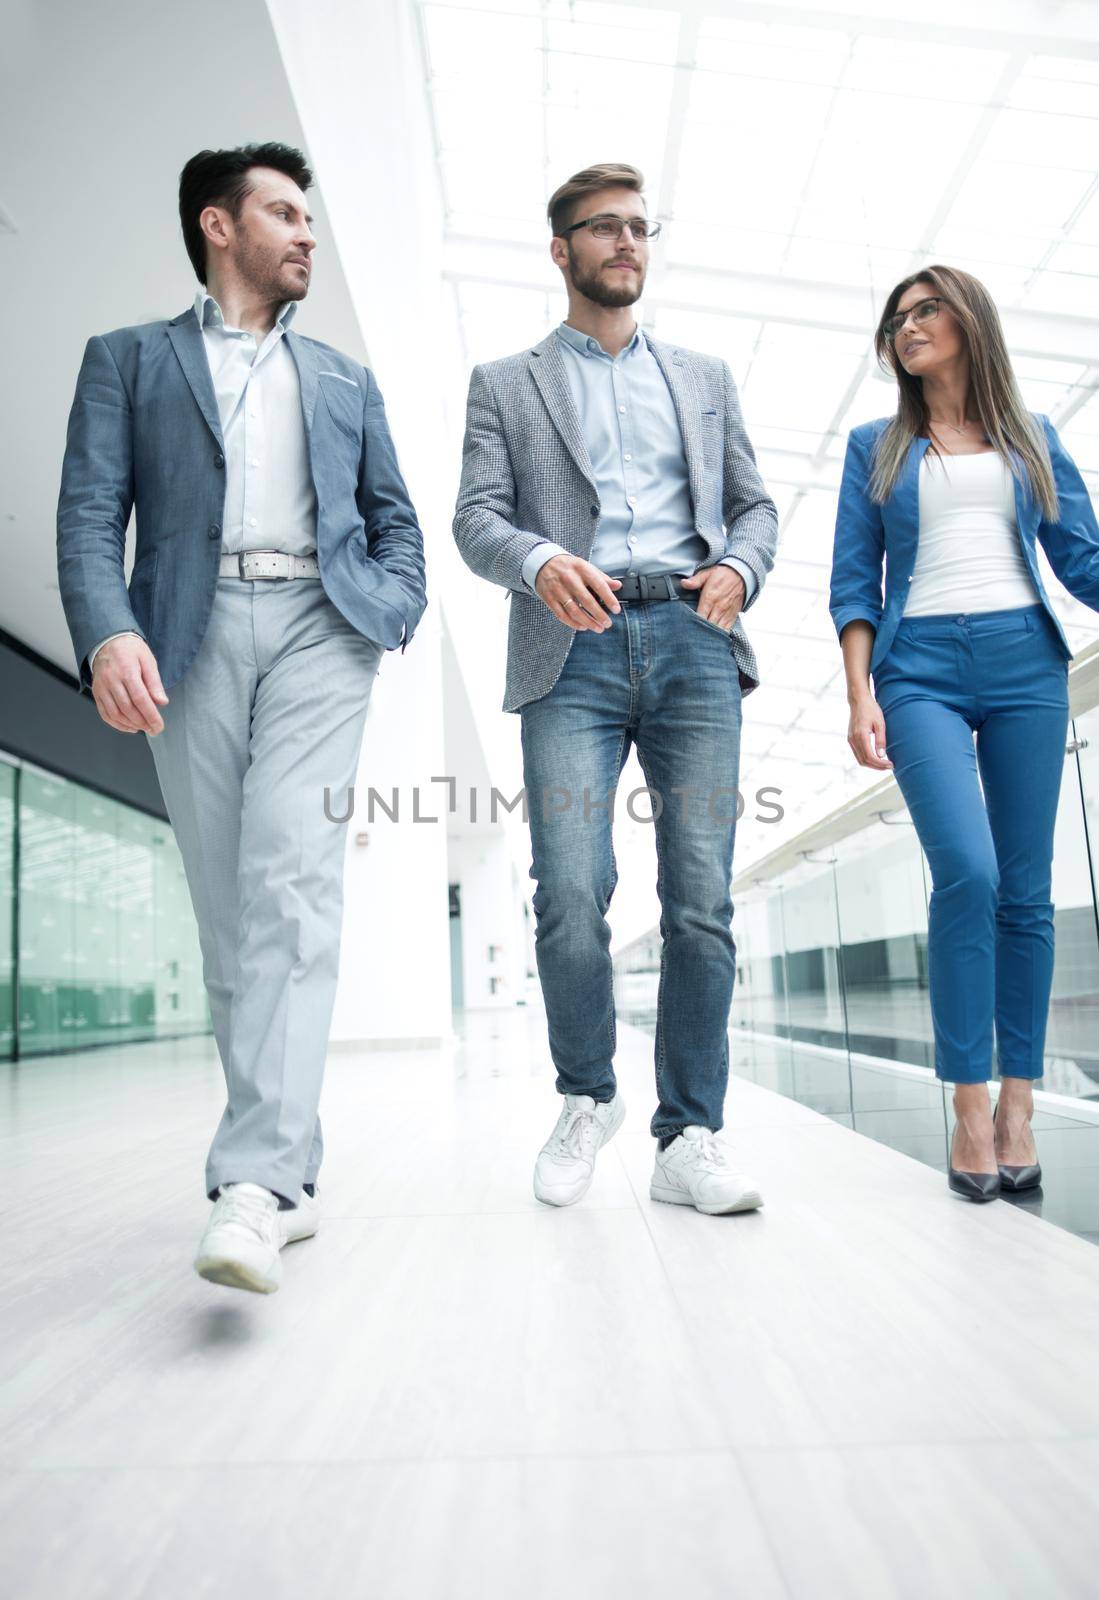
277	557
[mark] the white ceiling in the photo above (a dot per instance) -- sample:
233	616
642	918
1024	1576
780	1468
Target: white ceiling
802	162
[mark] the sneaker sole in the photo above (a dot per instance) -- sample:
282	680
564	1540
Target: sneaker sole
675	1197
611	1131
233	1275
296	1238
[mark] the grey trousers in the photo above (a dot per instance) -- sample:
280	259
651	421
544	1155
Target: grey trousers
268	716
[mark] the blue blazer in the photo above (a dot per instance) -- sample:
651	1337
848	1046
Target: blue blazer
867	533
144	431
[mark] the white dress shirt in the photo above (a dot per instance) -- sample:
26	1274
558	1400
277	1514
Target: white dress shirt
270	503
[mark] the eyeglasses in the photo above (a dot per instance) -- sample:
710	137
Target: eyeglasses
926	311
608	226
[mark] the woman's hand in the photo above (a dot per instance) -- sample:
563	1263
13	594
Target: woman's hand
866	733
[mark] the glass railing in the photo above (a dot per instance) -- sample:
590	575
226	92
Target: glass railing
98	943
832	1005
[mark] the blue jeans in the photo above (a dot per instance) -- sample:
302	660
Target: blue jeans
662	679
1001	675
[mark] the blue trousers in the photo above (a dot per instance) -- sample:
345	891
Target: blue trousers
665	680
1002	676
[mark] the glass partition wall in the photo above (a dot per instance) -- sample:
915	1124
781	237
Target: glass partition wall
98	943
832	1006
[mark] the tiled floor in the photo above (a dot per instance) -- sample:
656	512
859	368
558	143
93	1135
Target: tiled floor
868	1388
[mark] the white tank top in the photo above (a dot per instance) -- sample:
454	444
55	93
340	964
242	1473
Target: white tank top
969	556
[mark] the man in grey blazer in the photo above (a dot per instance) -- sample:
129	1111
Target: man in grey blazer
277	558
609	484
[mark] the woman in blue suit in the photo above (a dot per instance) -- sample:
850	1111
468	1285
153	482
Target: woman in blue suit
953	492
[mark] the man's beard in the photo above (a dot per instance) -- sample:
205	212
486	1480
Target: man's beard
595	285
268	277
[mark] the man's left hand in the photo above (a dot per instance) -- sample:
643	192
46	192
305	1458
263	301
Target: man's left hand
721	595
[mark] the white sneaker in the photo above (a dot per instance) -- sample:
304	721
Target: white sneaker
304	1220
566	1163
240	1247
694	1171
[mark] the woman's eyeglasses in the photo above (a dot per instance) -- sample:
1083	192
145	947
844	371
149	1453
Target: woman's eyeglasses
926	311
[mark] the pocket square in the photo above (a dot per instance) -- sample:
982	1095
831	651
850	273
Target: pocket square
340	376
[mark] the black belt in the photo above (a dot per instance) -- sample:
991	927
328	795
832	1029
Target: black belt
650	586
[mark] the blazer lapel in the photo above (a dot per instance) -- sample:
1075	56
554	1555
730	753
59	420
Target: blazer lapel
186	337
548	371
680	380
307	375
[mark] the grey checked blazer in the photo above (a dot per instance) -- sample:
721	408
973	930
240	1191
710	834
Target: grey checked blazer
526	477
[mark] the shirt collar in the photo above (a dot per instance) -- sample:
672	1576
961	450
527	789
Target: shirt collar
210	315
585	345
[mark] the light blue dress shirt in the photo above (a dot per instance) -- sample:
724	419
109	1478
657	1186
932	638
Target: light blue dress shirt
630	428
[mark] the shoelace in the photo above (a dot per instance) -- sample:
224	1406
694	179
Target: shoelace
249	1211
577	1132
711	1152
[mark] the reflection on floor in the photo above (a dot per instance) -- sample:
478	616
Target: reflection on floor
868	1389
903	1106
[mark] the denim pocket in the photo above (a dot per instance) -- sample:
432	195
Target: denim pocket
725	633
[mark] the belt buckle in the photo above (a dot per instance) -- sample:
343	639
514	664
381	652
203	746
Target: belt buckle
259	556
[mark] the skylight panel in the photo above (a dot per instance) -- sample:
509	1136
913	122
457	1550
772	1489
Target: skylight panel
1046	197
1069	293
467	124
579	135
1047	371
527	226
1046	139
932	69
762	50
1043	397
1084	227
797	378
480	50
1073	257
716	188
731	338
839	261
1081	437
789	114
957	241
798	441
517	186
732	248
612	32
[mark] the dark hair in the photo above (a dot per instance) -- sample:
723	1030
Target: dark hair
607	175
220	178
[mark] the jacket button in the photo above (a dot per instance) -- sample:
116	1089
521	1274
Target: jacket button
219	461
214	530
595	511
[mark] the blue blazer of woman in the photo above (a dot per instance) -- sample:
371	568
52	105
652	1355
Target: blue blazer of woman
867	533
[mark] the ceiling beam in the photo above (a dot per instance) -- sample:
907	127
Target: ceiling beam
1069	29
749	296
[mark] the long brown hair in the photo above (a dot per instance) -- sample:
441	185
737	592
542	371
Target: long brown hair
993	391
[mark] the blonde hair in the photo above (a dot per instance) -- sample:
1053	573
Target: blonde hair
605	175
993	391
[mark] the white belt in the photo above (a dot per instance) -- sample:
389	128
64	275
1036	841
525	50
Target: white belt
253	564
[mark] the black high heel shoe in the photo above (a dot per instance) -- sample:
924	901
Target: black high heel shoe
978	1186
1013	1180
